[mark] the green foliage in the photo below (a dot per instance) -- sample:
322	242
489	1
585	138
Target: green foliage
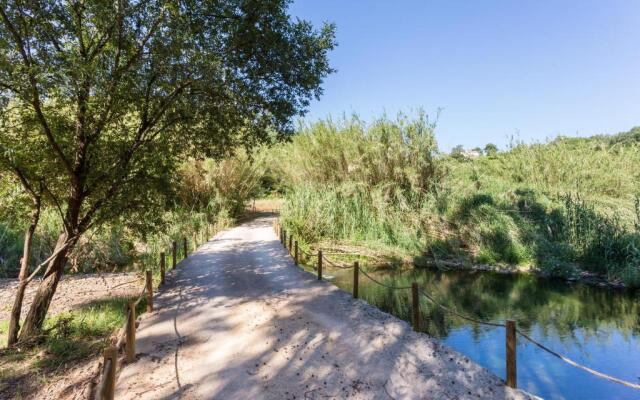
491	150
100	102
358	182
560	207
396	156
220	186
72	336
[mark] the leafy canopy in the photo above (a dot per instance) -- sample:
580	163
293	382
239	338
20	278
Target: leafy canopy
99	100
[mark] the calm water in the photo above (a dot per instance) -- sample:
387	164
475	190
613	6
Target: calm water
596	327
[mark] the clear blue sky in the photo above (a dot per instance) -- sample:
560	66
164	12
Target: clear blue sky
496	68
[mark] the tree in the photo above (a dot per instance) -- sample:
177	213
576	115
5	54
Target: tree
118	92
491	150
457	152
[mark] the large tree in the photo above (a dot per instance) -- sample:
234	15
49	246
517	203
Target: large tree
110	95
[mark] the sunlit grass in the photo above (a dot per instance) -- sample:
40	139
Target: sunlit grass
560	207
67	338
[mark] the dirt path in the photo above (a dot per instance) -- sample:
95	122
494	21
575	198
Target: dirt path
238	320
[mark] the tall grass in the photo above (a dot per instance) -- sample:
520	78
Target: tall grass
560	207
357	182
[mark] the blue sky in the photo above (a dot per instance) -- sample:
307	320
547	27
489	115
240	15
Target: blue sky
534	69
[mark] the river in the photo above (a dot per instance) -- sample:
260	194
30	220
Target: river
597	327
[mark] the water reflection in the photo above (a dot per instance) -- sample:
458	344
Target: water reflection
597	327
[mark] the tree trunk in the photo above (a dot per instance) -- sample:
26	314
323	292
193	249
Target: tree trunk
14	322
42	300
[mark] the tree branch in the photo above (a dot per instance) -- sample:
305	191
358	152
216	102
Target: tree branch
35	101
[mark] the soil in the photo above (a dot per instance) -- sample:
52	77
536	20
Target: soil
18	377
73	291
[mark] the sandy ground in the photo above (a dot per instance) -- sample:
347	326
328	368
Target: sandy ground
73	291
237	320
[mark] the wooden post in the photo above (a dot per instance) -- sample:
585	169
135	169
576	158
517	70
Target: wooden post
110	354
184	244
356	270
130	344
208	232
290	243
415	309
284	238
319	265
175	254
149	287
512	380
195	241
295	258
162	261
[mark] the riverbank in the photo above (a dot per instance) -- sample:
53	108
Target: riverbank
577	276
376	259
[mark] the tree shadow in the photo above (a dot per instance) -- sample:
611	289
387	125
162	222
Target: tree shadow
244	322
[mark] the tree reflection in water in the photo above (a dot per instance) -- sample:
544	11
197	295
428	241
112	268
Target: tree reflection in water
599	327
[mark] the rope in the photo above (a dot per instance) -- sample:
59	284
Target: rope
306	254
142	296
336	265
457	313
382	284
575	364
123	336
492	324
540	345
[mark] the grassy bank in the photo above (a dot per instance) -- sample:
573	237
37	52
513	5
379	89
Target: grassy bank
562	207
70	338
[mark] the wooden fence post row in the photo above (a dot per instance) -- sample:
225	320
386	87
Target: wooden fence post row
512	380
510	325
356	271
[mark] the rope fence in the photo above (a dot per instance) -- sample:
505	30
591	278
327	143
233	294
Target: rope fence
510	325
105	388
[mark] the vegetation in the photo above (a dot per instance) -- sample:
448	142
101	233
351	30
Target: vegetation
557	207
70	337
101	102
